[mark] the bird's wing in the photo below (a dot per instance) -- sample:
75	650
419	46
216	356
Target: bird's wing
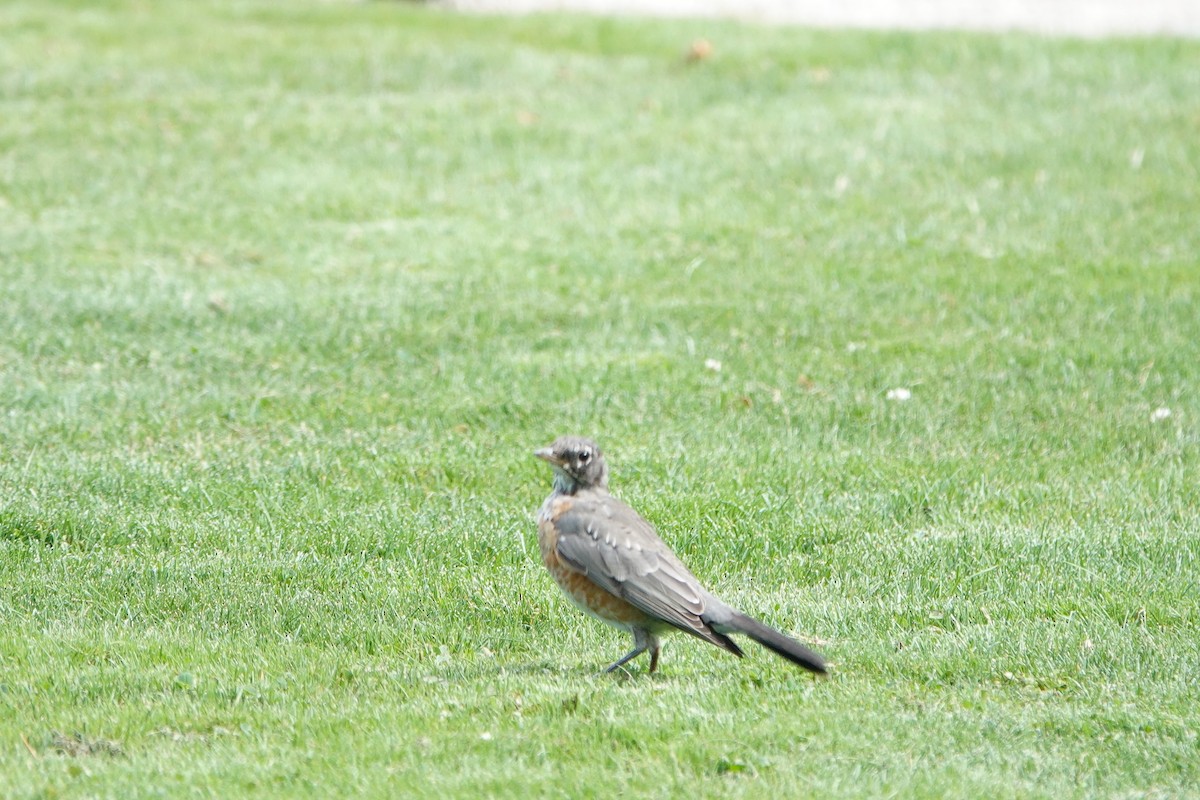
610	543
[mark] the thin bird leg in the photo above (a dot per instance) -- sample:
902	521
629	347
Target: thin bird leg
643	640
625	659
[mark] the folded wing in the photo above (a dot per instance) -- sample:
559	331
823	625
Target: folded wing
609	542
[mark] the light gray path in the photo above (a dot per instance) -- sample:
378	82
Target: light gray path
1065	17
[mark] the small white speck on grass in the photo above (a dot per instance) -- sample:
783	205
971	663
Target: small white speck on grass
854	347
1160	414
899	394
840	185
486	736
1136	157
712	364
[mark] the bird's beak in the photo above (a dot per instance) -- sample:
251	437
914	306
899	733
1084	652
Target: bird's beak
547	454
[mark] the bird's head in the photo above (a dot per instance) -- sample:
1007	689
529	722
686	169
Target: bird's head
577	463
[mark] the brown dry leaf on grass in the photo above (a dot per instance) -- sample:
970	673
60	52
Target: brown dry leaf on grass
699	50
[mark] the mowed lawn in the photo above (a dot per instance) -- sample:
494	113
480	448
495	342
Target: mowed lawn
289	292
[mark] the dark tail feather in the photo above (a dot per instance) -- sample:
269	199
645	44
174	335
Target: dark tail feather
774	640
710	634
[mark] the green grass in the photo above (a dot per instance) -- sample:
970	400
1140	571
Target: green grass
291	291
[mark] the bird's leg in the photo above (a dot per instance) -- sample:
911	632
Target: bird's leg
625	659
642	641
653	653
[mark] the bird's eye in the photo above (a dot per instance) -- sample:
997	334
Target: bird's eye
584	456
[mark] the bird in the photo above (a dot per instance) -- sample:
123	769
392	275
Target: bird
612	564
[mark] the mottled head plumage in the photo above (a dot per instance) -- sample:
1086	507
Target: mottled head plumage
577	463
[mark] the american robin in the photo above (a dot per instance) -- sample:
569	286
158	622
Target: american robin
612	564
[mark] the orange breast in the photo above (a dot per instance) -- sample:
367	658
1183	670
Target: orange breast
584	593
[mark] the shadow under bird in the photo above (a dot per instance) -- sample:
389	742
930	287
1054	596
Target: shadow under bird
612	565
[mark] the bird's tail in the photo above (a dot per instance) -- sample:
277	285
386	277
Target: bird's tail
774	640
